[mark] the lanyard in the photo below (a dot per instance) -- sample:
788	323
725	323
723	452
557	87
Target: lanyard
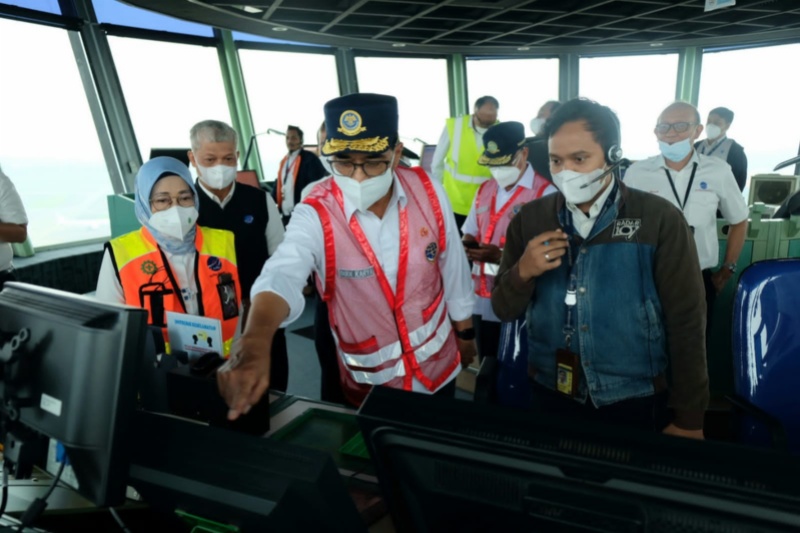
719	143
688	188
494	217
571	297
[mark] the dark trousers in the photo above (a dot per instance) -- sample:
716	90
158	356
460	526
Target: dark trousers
448	391
487	336
648	413
279	365
330	384
711	298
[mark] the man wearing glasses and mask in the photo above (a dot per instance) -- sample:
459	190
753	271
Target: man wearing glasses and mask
388	261
698	185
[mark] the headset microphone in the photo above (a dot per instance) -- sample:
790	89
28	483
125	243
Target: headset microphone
611	169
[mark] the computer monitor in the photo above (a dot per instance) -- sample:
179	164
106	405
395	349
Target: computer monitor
426	159
181	154
69	372
451	465
772	189
233	479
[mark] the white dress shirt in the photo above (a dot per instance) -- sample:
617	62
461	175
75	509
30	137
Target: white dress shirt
714	187
439	155
287	190
275	229
11	212
483	306
303	251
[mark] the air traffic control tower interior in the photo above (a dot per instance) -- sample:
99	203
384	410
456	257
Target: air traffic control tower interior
104	427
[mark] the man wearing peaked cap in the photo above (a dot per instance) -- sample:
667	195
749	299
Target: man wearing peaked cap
495	204
385	250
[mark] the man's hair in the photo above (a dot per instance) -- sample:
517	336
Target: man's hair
480	102
600	120
213	131
724	113
295	128
686	105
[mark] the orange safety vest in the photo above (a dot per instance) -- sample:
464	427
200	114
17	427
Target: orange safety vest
295	169
144	271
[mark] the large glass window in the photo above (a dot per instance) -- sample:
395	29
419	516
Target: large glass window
760	86
286	88
48	142
420	86
114	12
49	6
521	86
168	87
637	88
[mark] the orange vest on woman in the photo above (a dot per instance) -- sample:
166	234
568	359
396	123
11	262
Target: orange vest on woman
147	279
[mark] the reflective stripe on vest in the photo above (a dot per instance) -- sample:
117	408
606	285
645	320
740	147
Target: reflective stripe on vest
462	173
420	337
139	262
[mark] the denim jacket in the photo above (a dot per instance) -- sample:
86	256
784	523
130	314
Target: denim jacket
640	309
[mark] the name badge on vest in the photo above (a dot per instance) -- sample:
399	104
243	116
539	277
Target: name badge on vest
357	274
226	288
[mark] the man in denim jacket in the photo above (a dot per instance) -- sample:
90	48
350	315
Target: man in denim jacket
610	282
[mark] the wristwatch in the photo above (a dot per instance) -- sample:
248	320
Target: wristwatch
731	267
466	334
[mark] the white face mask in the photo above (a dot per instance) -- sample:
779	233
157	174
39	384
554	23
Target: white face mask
571	184
217	177
537	125
713	131
506	175
367	192
174	222
677	151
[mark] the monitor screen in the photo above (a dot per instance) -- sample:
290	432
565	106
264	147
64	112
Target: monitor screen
772	189
450	465
71	369
426	160
181	154
238	480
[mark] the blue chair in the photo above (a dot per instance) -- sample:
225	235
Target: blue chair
766	354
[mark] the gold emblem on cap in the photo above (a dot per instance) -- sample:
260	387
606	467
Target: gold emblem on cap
492	148
350	122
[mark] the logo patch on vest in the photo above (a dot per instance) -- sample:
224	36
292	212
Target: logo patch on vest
626	227
423	232
214	263
149	267
431	251
514	210
357	274
248	219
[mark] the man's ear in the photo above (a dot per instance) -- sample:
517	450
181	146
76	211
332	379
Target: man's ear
190	154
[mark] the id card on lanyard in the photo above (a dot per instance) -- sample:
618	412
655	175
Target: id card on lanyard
568	362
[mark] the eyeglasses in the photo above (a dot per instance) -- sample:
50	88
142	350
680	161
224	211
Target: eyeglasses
371	168
163	202
679	127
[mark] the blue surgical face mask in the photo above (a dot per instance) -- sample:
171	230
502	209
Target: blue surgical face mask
676	151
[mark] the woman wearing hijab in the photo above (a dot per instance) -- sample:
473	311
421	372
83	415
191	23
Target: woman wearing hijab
171	263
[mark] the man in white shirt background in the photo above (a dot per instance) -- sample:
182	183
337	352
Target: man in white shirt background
13	226
298	168
698	185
